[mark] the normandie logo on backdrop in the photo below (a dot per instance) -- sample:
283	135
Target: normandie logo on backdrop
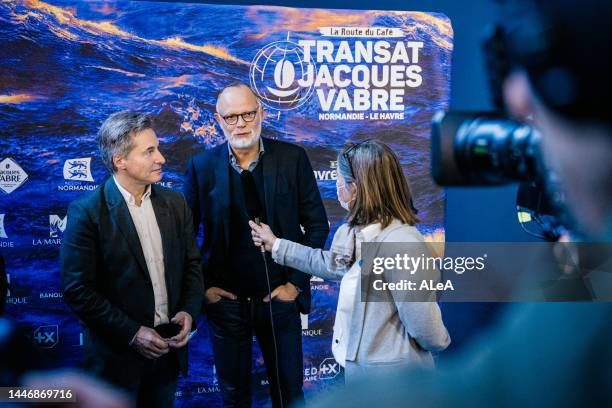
77	173
2	231
12	176
78	169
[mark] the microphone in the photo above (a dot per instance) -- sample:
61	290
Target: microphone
252	200
255	211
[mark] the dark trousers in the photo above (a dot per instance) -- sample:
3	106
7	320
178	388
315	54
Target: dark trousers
158	383
152	385
232	323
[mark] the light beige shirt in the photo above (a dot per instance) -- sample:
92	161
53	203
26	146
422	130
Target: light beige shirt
151	243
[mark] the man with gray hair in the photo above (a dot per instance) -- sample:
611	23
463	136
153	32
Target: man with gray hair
131	267
246	178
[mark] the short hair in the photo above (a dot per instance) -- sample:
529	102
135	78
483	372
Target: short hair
234	84
115	135
383	192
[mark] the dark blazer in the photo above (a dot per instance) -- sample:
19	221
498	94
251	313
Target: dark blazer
106	280
292	199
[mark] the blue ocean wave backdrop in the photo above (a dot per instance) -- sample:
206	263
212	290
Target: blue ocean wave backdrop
67	65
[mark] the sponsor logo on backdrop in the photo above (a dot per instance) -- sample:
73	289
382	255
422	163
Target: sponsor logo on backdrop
304	318
327	370
57	225
2	231
211	388
46	336
330	173
77	170
80	341
167	184
12	176
317	283
362	75
276	74
51	295
11	299
14	300
4	243
305	330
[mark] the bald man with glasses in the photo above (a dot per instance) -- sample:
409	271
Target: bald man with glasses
240	295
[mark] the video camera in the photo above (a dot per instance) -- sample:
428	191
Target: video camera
490	148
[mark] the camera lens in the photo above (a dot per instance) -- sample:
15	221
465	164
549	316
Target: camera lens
482	149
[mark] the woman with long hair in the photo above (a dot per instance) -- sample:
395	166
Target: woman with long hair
373	333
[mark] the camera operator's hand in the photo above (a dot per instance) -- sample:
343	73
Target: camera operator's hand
149	344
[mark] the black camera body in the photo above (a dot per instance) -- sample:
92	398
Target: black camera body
487	149
490	148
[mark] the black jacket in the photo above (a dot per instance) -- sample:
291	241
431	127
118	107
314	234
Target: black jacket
106	280
292	199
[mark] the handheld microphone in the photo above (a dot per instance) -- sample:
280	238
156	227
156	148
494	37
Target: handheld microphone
255	211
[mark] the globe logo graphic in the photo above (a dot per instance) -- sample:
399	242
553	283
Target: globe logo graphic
275	74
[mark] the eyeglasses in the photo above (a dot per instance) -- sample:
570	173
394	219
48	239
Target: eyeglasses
348	158
246	116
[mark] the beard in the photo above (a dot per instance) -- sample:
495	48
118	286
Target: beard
245	142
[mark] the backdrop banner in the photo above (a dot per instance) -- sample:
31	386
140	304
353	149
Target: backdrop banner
324	77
